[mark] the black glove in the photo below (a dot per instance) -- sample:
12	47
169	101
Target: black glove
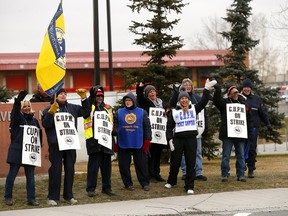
147	80
92	92
21	96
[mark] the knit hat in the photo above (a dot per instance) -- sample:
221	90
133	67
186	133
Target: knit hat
231	90
187	80
183	94
60	91
247	83
147	89
99	92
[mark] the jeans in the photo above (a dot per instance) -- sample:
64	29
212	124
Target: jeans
198	160
239	152
30	181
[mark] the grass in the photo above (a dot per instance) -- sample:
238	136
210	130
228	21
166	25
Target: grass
272	172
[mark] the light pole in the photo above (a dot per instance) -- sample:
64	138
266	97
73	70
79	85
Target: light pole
96	80
96	77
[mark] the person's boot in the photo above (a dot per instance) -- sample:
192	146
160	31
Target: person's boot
251	174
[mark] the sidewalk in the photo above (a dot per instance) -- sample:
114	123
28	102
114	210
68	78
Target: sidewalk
203	204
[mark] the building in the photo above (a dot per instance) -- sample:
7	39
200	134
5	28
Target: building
17	70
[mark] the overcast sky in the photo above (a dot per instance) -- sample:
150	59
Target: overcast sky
23	23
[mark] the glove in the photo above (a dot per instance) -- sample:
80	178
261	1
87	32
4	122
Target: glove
171	144
92	92
21	96
176	88
81	93
53	109
209	84
146	145
147	80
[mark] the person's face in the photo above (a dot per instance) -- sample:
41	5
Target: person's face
99	99
62	97
188	86
184	101
234	96
128	102
152	95
247	90
26	108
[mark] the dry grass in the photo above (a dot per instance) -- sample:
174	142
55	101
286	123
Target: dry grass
272	172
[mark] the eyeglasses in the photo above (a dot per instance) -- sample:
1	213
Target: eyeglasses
100	96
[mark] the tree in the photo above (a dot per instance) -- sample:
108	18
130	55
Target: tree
158	43
235	69
154	34
5	94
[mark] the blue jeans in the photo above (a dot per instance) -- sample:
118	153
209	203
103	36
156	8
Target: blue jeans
30	181
239	152
198	160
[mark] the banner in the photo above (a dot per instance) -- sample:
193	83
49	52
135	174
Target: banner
66	131
201	123
158	120
236	120
31	149
51	65
103	129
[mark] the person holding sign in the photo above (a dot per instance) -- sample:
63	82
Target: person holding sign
134	134
25	148
60	123
187	85
156	108
99	142
234	130
254	102
181	135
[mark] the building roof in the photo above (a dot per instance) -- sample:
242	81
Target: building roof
121	59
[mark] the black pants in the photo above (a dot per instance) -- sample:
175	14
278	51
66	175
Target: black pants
189	147
140	163
252	154
68	158
96	161
154	160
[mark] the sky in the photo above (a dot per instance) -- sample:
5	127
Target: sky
23	23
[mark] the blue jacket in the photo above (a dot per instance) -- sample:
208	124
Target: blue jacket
256	106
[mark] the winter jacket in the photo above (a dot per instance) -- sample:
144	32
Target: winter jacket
147	134
75	110
220	103
185	134
17	120
256	106
92	144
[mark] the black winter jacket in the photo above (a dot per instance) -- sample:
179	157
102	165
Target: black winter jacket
18	119
48	119
185	134
220	103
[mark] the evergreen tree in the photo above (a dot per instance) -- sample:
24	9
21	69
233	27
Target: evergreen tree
154	37
5	94
235	70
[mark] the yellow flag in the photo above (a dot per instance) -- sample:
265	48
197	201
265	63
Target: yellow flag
51	65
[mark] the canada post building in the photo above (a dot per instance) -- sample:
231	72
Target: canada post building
18	70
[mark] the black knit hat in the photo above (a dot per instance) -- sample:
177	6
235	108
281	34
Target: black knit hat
147	89
247	83
183	94
60	91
